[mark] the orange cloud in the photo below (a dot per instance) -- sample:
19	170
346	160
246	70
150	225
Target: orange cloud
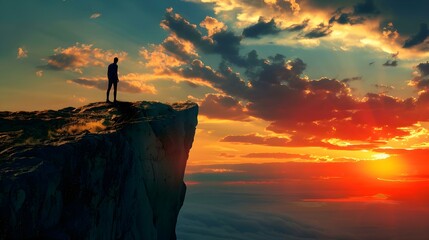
39	73
213	25
222	107
308	111
80	56
22	53
338	25
173	52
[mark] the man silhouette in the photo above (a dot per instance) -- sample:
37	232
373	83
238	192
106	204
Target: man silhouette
112	75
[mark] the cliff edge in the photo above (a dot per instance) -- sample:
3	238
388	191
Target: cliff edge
101	171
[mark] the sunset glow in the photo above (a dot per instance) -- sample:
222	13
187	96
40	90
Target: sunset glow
308	109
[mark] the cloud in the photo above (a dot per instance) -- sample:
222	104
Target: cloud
223	42
393	63
423	69
95	15
419	38
348	80
261	28
321	30
79	56
346	18
22	53
123	86
384	87
286	7
180	49
265	201
298	26
361	12
224	80
257	139
299	141
278	155
226	223
213	26
390	32
227	155
311	112
377	198
366	8
222	107
79	99
39	73
364	15
421	80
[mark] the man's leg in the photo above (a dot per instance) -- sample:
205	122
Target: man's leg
115	88
108	91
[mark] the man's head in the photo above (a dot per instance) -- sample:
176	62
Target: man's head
115	60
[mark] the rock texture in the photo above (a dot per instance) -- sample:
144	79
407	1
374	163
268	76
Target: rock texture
101	171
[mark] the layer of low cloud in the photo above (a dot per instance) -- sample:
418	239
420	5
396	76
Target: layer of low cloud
419	38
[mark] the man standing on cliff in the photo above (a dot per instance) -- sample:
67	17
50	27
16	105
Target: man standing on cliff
112	75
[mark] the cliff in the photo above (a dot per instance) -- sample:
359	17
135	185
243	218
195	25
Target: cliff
96	172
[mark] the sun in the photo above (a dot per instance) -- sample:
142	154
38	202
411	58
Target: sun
380	156
383	166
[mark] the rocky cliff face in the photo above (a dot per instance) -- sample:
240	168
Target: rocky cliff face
96	172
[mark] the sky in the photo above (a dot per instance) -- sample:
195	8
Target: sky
314	114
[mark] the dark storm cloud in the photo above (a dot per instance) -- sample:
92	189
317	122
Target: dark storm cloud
419	38
361	12
322	30
224	42
423	69
227	44
298	27
421	81
261	28
366	8
346	18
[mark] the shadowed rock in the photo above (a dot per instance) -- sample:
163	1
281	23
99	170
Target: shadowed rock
96	172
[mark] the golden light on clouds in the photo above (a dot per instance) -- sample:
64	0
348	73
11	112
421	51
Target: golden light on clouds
22	53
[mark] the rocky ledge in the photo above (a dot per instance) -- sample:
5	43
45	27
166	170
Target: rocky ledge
101	171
